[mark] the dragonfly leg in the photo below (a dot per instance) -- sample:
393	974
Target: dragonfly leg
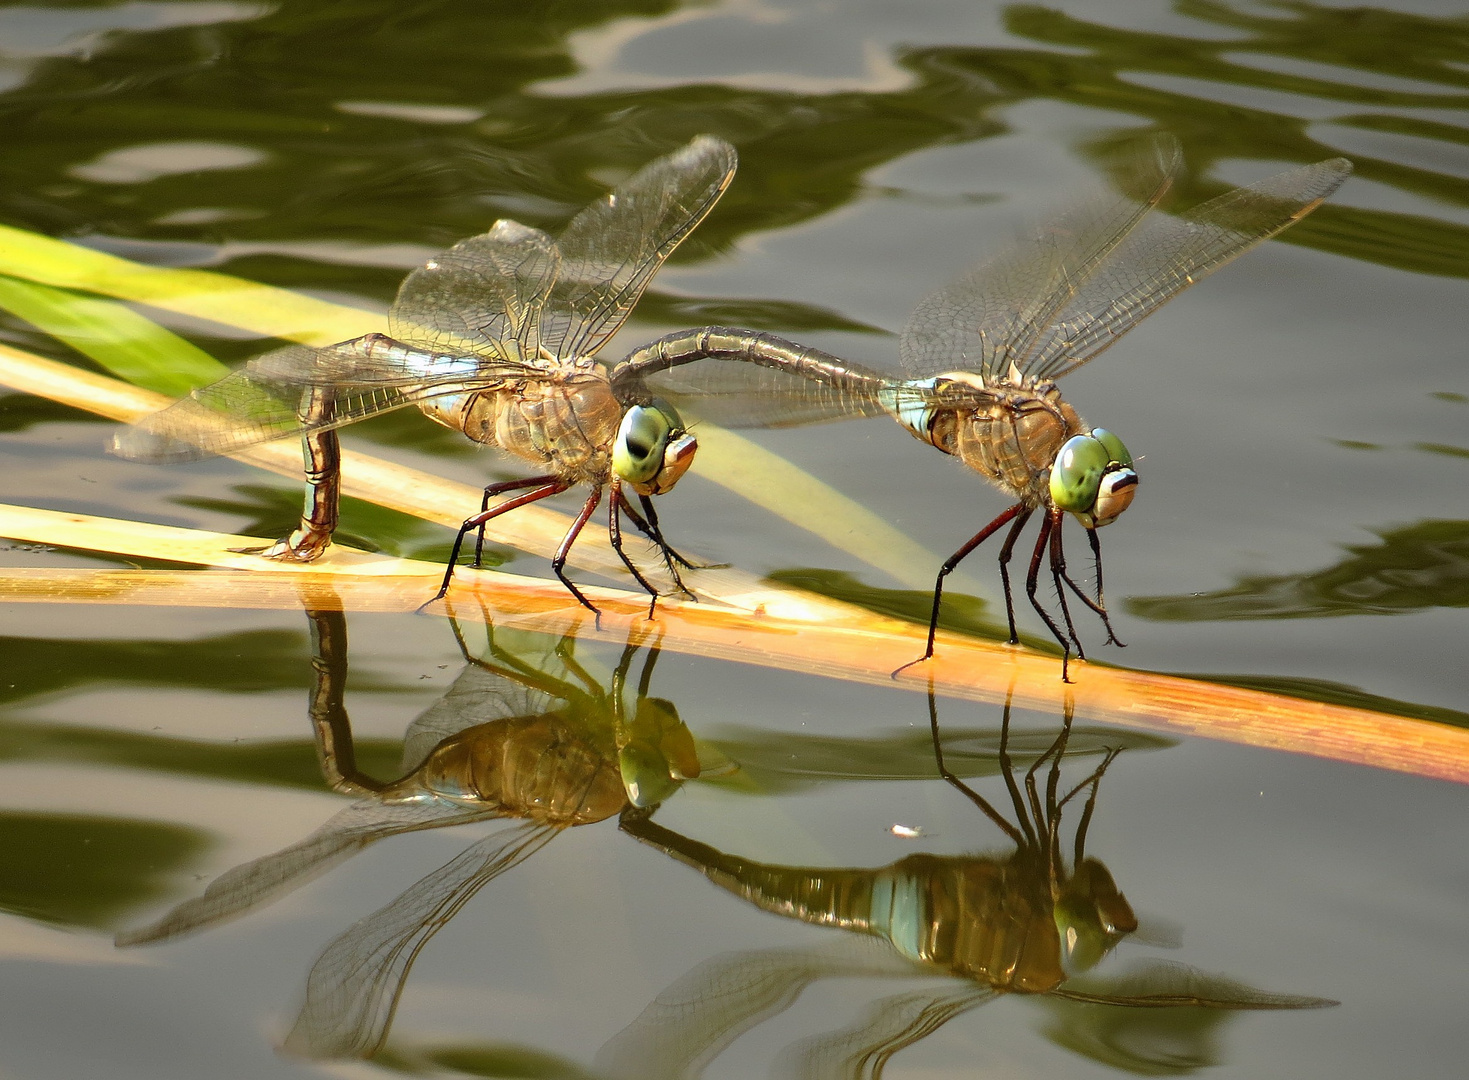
615	504
558	562
1101	605
969	793
669	552
322	453
1032	579
1058	574
555	487
499	489
650	529
948	568
1005	552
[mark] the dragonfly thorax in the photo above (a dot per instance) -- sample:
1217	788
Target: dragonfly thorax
1010	434
567	424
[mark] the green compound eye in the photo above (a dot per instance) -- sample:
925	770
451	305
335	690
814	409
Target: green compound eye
1093	478
652	449
1120	454
637	455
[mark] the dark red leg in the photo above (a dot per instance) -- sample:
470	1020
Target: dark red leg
948	568
555	487
500	489
558	563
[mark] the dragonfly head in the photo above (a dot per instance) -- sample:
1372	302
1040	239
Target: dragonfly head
1092	916
1093	478
652	449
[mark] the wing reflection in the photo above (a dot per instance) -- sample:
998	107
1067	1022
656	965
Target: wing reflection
523	733
1031	921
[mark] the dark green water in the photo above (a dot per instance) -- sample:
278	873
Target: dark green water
1302	422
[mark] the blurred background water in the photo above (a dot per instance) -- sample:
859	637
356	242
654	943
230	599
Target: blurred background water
1302	421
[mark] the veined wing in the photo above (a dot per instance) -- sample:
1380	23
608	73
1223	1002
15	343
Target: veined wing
694	1019
611	249
354	986
477	697
270	397
1165	255
744	394
483	295
991	316
893	1023
257	883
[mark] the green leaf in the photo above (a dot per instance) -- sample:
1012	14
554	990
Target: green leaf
127	344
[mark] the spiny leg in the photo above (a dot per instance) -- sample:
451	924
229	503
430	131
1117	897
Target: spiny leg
973	796
615	504
1101	605
558	563
499	489
555	487
1032	580
1058	574
668	551
948	568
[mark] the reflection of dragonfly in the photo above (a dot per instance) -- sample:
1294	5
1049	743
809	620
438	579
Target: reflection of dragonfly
1024	923
982	356
511	738
494	338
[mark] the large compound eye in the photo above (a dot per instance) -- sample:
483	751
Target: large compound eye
1093	478
637	455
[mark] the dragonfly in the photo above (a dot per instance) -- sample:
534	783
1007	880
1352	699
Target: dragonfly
982	356
526	733
495	338
1034	921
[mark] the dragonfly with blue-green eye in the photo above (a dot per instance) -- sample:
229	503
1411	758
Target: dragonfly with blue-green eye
495	338
983	354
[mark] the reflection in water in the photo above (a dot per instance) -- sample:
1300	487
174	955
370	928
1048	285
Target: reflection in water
539	740
1026	922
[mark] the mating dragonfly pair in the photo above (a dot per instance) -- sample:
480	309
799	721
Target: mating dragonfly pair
497	337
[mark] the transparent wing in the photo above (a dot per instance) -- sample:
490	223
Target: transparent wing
261	881
611	249
477	697
484	295
692	1021
992	315
354	986
888	1025
750	395
299	389
1165	255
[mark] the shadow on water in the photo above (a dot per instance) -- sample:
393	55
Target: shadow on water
1414	568
529	733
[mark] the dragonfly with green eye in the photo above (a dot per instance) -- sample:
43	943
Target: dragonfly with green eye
495	338
983	354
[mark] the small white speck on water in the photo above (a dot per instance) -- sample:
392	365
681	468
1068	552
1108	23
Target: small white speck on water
906	832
